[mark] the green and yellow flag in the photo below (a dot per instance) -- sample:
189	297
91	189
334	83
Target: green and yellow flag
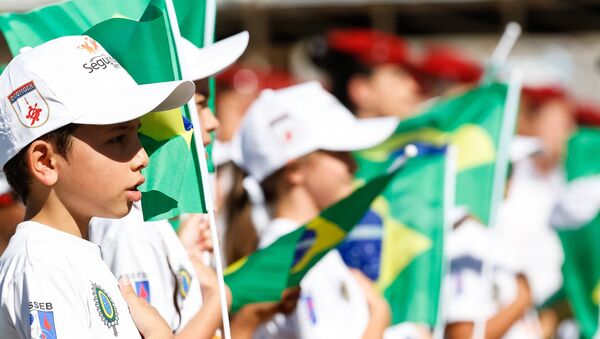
265	274
473	122
399	242
146	48
576	219
411	225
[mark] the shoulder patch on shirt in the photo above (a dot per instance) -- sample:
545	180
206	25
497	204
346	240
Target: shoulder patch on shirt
106	308
41	324
141	283
185	280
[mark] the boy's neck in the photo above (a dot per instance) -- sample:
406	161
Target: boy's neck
296	205
50	211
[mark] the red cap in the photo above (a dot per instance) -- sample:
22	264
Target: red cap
253	79
446	63
588	114
545	93
369	46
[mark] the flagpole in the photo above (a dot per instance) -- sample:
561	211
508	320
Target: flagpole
509	38
206	189
509	118
449	202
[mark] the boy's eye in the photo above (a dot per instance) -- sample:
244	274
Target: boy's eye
117	140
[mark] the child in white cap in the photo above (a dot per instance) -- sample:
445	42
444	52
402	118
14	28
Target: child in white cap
295	145
70	150
150	254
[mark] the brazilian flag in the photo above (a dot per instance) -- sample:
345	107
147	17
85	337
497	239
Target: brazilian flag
405	231
399	242
576	219
476	124
265	274
146	48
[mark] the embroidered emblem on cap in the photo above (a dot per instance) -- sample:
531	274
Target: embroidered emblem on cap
90	45
29	105
106	308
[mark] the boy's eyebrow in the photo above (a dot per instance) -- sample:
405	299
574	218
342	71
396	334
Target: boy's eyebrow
125	126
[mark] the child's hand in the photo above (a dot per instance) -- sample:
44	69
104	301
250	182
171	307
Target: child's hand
209	283
147	320
194	233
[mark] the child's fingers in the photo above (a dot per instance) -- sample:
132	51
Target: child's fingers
127	290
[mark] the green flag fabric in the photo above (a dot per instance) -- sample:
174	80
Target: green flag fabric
173	181
73	17
474	122
577	221
399	243
266	273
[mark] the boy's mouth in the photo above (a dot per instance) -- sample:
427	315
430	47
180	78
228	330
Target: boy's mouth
133	194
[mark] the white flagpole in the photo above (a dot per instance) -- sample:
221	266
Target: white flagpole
511	108
449	202
206	187
509	38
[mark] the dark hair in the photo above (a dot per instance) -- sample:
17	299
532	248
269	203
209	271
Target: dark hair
340	67
17	170
241	238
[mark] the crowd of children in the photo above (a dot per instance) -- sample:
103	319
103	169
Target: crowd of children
79	261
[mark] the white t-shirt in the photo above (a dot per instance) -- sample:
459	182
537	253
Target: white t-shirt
467	292
524	223
55	285
331	304
152	257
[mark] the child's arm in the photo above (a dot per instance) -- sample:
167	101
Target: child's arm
500	323
379	309
150	324
45	300
208	319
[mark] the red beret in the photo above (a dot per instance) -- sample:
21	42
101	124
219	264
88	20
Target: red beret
369	46
446	63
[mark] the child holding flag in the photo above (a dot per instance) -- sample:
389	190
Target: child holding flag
70	150
170	277
295	145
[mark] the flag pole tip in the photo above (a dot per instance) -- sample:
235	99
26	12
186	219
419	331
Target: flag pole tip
411	151
513	29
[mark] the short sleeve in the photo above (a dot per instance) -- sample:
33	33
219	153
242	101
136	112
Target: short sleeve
44	302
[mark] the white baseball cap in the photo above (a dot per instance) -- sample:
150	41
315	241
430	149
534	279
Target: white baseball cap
73	79
207	61
283	125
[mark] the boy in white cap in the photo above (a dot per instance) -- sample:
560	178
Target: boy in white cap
295	145
150	254
70	150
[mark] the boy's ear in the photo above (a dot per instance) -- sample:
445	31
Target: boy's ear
294	175
359	90
41	160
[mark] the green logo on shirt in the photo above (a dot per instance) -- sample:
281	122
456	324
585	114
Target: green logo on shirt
106	308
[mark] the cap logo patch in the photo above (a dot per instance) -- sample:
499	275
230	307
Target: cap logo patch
90	45
29	105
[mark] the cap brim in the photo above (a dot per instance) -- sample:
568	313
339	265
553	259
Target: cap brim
359	135
138	101
201	63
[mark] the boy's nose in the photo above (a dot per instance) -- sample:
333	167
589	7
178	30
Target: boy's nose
141	160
